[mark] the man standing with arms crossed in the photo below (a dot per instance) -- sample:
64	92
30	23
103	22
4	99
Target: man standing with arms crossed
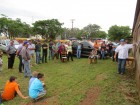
11	51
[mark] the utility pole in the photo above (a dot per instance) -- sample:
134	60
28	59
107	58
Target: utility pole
72	21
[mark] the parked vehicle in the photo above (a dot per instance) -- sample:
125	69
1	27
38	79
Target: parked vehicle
87	47
5	42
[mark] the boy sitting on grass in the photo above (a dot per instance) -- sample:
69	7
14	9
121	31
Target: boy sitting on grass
36	89
11	90
93	56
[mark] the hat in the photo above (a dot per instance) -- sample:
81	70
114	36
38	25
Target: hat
26	42
122	40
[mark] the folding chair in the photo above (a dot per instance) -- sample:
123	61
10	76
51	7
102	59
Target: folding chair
64	56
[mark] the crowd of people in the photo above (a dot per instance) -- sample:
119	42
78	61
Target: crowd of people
31	54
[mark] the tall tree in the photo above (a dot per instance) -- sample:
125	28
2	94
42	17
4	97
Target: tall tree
48	28
14	28
117	32
102	34
92	29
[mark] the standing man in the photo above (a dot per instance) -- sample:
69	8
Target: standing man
122	51
19	54
38	50
58	46
26	60
69	51
31	48
110	47
11	51
50	49
44	52
79	47
54	51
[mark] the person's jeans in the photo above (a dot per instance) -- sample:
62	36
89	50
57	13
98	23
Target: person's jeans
121	65
32	60
20	64
41	94
44	57
37	57
78	53
27	71
103	54
50	54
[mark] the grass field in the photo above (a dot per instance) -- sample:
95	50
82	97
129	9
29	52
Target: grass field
77	83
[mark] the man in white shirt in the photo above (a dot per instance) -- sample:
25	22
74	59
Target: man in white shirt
122	51
31	48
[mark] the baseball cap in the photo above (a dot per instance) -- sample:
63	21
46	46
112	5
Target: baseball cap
122	40
26	42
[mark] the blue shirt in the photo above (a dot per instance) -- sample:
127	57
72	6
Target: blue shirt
35	88
31	80
79	47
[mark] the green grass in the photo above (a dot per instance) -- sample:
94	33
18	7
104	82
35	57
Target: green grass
67	83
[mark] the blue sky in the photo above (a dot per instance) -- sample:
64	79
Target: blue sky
102	12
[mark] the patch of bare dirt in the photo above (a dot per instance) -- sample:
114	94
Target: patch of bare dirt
91	97
100	77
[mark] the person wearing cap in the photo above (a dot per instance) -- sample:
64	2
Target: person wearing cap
11	89
31	48
122	51
38	50
11	51
26	60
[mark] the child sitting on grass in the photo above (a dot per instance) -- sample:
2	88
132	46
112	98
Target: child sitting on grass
11	90
93	55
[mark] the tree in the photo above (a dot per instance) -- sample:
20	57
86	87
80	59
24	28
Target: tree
14	28
102	34
94	31
48	28
117	32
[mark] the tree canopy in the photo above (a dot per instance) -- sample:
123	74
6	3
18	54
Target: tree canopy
15	28
48	28
52	28
117	32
